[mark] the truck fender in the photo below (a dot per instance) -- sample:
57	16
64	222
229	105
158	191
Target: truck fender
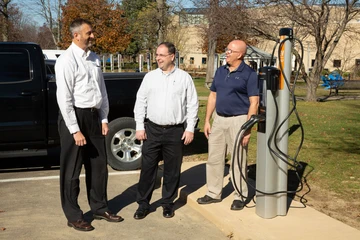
124	151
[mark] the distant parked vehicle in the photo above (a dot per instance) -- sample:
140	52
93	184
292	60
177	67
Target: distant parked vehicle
52	54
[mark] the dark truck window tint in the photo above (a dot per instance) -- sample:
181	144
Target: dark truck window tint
50	66
14	66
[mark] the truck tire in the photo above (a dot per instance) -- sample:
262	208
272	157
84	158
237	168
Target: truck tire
122	147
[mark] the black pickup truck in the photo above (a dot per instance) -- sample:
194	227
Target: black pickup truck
29	111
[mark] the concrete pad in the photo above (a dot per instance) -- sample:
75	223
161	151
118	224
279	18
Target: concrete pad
30	209
299	223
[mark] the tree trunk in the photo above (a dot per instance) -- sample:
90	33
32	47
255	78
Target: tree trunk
58	24
312	84
311	91
5	27
161	9
5	32
212	38
210	62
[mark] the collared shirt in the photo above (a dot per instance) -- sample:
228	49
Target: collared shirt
80	83
233	89
167	99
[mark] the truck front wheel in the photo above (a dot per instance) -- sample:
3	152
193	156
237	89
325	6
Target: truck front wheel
122	147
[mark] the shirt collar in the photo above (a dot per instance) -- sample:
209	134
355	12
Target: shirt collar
239	68
172	71
80	52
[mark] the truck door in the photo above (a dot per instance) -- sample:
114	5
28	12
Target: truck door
22	118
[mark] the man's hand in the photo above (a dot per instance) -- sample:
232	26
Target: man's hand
207	129
79	139
246	139
104	128
141	135
188	137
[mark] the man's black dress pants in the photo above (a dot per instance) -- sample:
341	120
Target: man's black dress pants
72	157
165	142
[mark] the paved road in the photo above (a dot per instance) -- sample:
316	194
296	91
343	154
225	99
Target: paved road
30	209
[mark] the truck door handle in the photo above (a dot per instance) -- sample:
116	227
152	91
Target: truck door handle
26	93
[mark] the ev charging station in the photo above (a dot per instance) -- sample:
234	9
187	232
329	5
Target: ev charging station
271	170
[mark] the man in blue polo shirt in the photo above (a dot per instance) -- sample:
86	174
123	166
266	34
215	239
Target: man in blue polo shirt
235	96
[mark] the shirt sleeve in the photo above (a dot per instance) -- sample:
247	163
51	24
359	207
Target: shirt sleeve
192	105
213	84
65	80
141	105
104	109
252	85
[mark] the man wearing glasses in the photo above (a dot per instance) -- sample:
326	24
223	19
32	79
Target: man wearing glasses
167	101
235	96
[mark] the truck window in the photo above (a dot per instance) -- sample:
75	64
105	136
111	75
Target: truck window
14	66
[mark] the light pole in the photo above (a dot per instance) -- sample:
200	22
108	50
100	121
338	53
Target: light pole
308	57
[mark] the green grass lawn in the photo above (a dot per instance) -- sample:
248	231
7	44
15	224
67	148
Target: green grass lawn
331	147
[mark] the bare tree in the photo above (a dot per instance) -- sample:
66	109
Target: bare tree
50	10
226	20
323	21
161	19
4	4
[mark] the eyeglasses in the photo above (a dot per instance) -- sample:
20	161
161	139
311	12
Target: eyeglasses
162	55
227	50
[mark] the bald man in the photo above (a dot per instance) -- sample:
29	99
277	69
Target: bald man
235	96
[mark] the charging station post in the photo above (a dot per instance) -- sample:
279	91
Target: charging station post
271	170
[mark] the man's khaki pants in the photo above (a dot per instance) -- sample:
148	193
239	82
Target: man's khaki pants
221	138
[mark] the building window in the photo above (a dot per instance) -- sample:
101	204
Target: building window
312	62
337	63
181	60
203	60
357	62
191	60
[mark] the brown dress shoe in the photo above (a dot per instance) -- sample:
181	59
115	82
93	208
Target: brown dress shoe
81	225
108	216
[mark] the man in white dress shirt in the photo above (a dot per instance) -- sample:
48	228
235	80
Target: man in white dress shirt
83	124
167	101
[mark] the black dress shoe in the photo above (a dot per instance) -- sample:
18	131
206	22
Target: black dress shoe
108	216
141	213
168	212
207	200
81	225
237	205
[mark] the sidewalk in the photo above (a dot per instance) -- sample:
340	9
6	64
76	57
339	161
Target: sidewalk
299	223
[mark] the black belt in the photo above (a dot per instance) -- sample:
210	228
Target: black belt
165	126
227	115
92	109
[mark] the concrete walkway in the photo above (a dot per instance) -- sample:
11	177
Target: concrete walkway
30	209
299	223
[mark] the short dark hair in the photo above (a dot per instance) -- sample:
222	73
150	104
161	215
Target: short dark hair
76	24
170	46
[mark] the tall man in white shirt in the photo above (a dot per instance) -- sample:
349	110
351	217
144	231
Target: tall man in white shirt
83	124
168	102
